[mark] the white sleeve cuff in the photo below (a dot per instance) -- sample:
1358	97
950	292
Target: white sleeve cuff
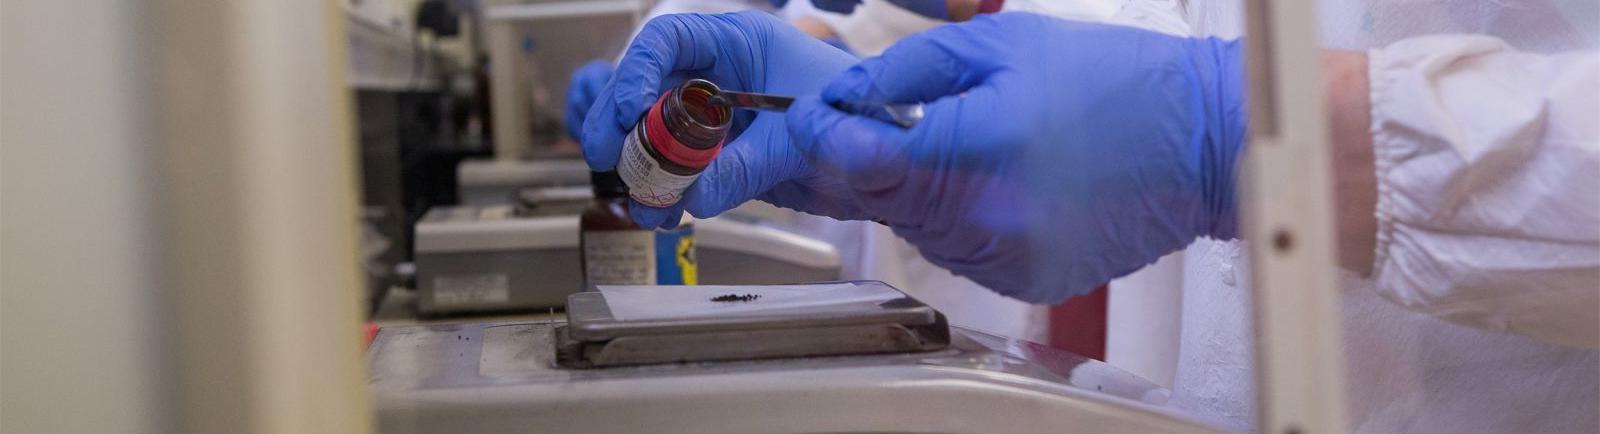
1488	206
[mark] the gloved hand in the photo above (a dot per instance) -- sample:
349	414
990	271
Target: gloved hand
936	9
582	90
1053	156
749	51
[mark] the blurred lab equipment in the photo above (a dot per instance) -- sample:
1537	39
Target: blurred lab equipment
533	49
473	259
500	181
420	109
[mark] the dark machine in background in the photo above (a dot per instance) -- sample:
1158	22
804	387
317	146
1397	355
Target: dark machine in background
415	127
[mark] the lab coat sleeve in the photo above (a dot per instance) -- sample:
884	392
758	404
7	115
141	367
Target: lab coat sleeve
1488	166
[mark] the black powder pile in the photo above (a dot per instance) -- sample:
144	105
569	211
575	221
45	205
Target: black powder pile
726	298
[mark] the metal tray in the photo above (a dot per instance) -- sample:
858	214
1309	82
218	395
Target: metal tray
594	338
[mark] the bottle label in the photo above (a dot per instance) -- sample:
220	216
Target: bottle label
640	257
471	290
619	257
648	182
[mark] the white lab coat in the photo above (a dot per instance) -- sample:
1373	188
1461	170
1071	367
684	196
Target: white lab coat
1488	164
1488	257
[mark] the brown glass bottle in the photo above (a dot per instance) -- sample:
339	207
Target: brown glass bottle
615	251
609	210
673	142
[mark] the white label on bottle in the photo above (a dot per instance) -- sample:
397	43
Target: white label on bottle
648	182
619	257
496	212
471	289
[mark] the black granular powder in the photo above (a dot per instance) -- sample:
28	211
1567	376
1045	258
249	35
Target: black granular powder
735	297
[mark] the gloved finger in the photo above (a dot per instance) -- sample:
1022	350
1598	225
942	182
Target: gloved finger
837	6
664	45
651	218
922	67
585	85
747	166
867	153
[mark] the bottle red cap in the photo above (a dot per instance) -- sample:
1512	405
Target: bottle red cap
655	128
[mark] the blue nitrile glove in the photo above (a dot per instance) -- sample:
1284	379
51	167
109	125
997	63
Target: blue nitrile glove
936	9
748	51
1053	156
581	92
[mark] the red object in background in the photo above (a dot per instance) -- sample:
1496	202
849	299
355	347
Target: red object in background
1079	325
368	333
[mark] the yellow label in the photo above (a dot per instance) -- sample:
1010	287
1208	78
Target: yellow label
686	260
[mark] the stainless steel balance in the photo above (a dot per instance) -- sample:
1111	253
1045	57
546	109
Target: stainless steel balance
510	377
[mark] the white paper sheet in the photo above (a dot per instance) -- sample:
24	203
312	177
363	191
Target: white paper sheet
650	302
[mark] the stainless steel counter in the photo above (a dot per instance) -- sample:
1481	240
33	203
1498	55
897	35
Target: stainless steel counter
471	378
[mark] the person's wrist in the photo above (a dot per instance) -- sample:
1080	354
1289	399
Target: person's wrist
1355	181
